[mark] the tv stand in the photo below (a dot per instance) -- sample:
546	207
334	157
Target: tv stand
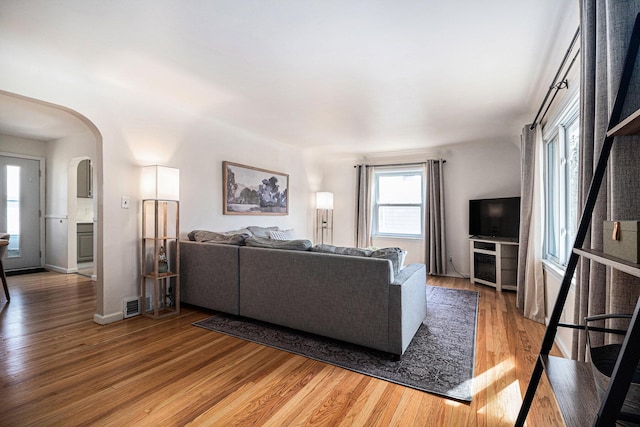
494	262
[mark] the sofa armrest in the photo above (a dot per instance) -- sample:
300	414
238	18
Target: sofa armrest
407	306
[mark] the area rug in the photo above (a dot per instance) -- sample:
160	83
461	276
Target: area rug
439	360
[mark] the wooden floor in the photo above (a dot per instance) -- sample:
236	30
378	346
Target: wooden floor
57	367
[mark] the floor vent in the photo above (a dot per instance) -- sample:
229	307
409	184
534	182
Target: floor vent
131	307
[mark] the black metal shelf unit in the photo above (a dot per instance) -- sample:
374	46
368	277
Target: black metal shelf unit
572	381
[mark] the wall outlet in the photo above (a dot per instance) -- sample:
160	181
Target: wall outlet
450	258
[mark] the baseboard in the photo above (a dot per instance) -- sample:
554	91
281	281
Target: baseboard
60	269
25	271
563	349
109	318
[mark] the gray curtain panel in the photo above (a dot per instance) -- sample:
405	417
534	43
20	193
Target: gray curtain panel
527	172
434	239
530	282
364	175
605	30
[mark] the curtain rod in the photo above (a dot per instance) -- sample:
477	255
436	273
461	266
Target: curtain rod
564	78
402	164
555	84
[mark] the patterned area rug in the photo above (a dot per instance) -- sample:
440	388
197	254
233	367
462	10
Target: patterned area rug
439	360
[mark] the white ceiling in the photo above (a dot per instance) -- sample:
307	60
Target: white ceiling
344	75
34	120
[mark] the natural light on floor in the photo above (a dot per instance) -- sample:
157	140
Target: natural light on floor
503	407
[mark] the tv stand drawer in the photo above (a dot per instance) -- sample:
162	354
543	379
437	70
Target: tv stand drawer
486	246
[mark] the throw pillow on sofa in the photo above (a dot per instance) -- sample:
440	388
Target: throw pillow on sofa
261	231
227	238
293	245
395	255
282	235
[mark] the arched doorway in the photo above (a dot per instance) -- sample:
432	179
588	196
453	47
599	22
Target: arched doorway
64	138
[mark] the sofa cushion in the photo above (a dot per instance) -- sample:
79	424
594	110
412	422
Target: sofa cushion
341	250
228	238
395	255
293	245
261	231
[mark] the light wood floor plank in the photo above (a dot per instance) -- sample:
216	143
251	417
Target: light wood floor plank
57	367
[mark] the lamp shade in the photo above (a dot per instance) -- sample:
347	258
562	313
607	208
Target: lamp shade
324	200
160	183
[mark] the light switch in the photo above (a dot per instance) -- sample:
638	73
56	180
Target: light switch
125	202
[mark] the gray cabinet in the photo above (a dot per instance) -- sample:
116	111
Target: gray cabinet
85	242
84	179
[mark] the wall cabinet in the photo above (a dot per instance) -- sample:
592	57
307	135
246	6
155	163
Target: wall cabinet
494	263
84	179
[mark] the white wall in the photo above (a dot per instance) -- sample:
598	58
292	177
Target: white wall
476	170
16	145
199	158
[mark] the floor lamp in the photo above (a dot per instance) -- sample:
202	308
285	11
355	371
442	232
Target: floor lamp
324	217
160	249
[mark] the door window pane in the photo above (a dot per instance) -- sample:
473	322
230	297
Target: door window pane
13	210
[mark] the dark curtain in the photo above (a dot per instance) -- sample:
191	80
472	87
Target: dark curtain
363	205
434	239
605	31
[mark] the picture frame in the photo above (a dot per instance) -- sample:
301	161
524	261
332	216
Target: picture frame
248	190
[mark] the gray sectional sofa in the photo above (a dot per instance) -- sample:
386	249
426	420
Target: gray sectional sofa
350	298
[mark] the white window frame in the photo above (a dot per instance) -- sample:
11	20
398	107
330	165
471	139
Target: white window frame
558	211
376	205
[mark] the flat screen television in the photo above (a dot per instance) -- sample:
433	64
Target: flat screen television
495	218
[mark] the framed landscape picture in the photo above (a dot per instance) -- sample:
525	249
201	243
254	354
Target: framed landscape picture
253	191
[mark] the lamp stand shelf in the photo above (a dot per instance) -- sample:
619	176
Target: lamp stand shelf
160	282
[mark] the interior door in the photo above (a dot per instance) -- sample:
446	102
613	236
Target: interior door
20	211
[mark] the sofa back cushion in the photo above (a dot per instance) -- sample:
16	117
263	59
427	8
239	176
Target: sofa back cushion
228	238
395	255
292	245
341	250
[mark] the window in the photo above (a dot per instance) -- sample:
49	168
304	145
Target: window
397	207
561	153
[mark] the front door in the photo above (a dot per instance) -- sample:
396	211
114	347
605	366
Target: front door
20	211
